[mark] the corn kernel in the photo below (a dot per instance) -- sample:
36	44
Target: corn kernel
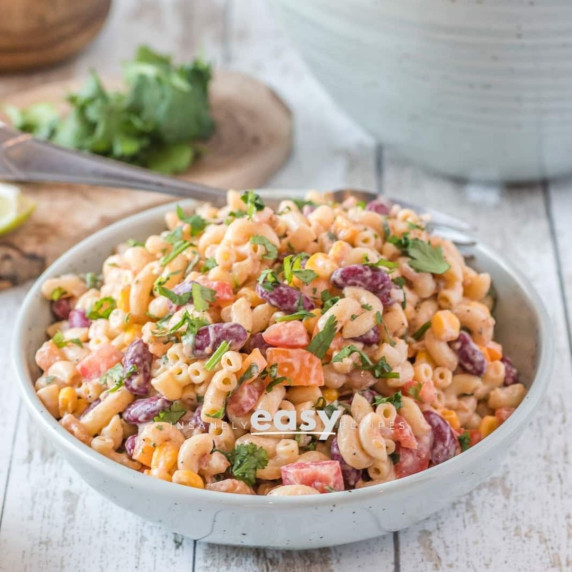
123	299
310	323
488	424
451	417
82	405
132	331
494	351
67	400
321	264
424	357
189	479
159	474
165	457
445	325
330	394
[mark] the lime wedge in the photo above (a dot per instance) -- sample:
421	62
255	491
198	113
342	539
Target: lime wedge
15	208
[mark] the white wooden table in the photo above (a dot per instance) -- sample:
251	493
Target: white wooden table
519	520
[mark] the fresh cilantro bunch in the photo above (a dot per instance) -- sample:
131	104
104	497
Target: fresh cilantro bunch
153	123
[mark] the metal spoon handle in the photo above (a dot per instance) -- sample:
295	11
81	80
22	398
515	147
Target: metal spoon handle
24	158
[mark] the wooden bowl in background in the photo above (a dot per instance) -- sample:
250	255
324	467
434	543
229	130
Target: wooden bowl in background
36	33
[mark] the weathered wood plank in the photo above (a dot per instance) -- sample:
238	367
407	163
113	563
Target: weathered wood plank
9	402
51	519
521	518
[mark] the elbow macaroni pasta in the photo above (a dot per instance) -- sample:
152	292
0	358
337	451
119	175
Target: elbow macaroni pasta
341	335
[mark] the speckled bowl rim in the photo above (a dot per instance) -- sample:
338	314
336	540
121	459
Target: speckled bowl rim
112	470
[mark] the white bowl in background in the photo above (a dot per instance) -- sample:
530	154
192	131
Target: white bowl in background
290	522
471	89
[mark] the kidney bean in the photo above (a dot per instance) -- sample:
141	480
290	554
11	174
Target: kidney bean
245	397
369	338
378	206
285	298
351	475
137	354
510	372
373	279
257	341
78	319
61	308
369	394
130	443
209	338
144	410
471	358
91	406
444	444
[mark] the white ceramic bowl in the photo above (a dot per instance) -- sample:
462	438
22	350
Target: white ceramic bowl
290	522
469	88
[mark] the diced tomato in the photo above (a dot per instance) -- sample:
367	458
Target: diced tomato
98	362
324	476
475	436
503	413
299	366
287	335
224	293
422	391
245	398
413	461
254	364
48	354
403	434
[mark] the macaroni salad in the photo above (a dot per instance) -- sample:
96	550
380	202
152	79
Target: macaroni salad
318	348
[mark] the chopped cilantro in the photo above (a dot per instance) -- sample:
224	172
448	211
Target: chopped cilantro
328	300
217	356
380	369
178	248
271	250
245	460
172	414
60	341
250	373
300	315
132	242
421	331
195	221
394	399
101	309
57	293
415	391
268	280
92	280
464	440
321	341
177	299
209	264
301	203
253	203
202	296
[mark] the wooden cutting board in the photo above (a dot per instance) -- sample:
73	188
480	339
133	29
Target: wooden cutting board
252	140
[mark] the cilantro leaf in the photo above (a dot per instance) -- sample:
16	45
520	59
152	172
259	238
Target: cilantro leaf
421	331
57	293
300	315
195	221
172	414
249	373
209	264
60	340
415	391
202	296
380	369
395	400
301	203
305	275
271	250
178	248
245	460
464	440
253	202
101	309
328	300
217	356
177	299
268	279
321	341
427	258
